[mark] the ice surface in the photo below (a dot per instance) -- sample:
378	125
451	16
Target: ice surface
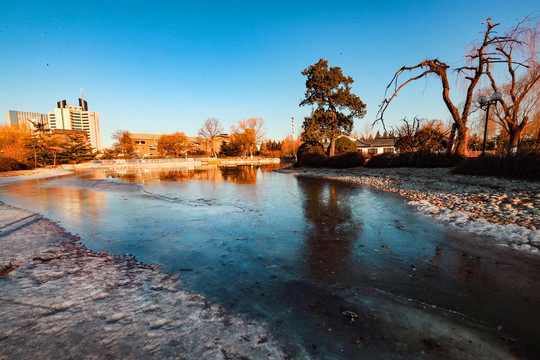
295	258
62	301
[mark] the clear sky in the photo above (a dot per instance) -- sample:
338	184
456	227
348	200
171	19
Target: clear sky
165	66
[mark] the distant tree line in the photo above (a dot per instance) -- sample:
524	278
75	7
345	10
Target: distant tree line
246	139
39	147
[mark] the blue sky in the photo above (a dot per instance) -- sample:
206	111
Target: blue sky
160	67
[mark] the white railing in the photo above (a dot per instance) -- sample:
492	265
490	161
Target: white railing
171	160
149	161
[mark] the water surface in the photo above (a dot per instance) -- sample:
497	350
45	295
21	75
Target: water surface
344	271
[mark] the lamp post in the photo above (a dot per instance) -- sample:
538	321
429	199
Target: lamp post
485	102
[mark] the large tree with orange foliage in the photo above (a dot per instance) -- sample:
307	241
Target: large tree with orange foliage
249	133
172	145
12	142
124	142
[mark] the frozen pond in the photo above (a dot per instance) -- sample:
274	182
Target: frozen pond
344	271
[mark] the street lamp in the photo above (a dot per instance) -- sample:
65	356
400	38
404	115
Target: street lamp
485	102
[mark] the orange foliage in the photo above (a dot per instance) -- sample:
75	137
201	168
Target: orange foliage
12	140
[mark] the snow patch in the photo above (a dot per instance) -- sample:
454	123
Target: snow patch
516	237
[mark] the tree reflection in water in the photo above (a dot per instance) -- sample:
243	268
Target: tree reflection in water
240	175
333	229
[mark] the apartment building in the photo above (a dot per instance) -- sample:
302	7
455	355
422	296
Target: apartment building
72	117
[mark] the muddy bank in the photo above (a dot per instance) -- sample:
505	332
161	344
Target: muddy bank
59	300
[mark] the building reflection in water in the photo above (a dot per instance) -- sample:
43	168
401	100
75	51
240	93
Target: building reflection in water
75	206
332	229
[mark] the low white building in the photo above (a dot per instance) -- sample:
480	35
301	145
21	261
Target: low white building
376	146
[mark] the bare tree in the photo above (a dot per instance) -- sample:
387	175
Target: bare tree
368	130
210	130
521	93
420	135
477	124
477	60
532	129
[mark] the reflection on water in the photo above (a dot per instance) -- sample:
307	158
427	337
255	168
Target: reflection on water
333	228
297	252
78	207
235	174
241	176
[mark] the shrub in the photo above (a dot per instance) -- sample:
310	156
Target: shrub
347	160
342	161
523	165
7	164
230	149
310	148
311	160
380	161
198	153
409	159
343	145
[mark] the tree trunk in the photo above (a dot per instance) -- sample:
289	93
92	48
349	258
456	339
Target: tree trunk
451	139
461	140
332	147
212	147
515	134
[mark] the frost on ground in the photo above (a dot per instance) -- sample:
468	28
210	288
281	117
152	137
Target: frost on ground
507	210
58	300
514	236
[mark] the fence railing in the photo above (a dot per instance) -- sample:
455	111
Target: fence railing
149	161
172	161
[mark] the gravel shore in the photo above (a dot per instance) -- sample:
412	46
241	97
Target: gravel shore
471	202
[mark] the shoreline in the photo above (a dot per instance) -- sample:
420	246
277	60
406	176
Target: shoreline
58	299
508	210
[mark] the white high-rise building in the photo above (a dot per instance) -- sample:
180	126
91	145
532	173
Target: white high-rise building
71	117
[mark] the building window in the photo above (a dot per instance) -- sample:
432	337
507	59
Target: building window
372	151
388	150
